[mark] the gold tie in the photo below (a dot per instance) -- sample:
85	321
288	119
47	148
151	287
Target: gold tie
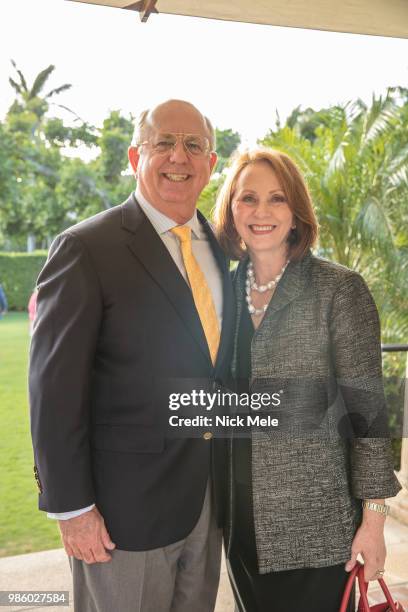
200	290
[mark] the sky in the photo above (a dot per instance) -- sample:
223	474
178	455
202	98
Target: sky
237	74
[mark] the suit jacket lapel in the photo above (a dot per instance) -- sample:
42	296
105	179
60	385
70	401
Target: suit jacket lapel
238	280
149	249
288	289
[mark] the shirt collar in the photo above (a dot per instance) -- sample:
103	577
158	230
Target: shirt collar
161	222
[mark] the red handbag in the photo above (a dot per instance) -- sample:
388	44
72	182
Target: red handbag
363	606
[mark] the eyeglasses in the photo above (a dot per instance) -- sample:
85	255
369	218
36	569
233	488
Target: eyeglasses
194	144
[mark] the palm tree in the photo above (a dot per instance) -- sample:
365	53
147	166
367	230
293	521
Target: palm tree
26	117
31	97
357	170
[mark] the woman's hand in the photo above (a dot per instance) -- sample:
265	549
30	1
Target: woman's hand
369	542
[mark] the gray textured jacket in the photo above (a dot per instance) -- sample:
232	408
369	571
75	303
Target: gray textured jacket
319	344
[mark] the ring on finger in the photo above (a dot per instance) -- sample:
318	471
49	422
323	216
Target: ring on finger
380	573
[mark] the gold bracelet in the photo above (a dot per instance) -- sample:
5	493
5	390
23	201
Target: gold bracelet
381	508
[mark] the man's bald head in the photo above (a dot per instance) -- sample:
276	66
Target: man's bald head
152	118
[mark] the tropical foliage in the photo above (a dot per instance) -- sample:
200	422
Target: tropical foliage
32	99
44	185
227	142
355	159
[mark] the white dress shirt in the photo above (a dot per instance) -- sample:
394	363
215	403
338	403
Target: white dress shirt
205	258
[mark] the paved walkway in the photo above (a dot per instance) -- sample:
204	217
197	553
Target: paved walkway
396	565
49	570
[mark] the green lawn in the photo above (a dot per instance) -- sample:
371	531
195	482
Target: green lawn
23	528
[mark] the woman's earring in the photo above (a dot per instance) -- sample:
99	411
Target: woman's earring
292	237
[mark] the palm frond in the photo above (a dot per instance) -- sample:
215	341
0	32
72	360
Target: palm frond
58	90
398	160
374	224
40	80
15	86
23	82
341	136
380	118
288	141
361	105
337	161
401	92
352	109
396	168
399	178
293	117
77	117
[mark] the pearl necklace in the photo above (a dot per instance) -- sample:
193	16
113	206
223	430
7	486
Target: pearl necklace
251	285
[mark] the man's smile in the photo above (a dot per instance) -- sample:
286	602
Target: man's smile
176	178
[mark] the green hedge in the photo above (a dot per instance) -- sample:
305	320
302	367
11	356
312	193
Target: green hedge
18	275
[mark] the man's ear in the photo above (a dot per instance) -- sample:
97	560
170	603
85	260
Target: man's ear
134	156
213	160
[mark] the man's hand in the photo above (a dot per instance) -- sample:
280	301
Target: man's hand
369	542
85	537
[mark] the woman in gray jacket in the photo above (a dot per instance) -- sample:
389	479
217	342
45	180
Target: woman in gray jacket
308	482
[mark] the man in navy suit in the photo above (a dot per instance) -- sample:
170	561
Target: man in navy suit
118	329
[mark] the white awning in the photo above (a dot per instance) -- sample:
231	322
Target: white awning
377	17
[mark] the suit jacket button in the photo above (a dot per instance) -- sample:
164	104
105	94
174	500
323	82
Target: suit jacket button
208	435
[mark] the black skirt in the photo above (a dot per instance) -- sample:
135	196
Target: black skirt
298	590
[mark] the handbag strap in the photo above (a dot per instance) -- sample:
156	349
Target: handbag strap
388	596
363	605
349	586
